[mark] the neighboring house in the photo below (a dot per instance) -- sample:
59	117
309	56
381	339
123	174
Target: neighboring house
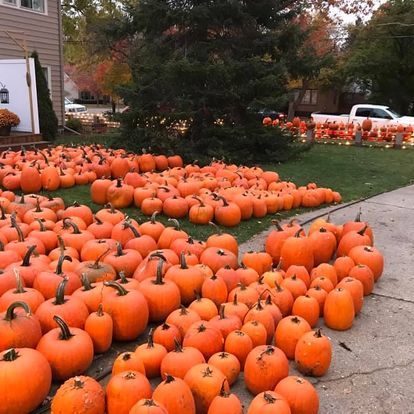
328	100
39	22
71	89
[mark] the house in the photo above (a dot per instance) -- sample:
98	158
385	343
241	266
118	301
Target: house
38	22
328	100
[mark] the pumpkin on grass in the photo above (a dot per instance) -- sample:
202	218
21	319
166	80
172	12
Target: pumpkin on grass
23	369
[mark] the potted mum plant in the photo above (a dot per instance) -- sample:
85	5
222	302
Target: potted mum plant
8	120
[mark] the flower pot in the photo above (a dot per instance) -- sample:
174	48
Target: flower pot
5	131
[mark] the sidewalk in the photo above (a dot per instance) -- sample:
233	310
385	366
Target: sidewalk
377	375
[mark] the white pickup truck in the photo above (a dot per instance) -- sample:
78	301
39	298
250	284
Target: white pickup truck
380	116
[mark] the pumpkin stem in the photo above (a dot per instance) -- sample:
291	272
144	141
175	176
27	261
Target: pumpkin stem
177	346
17	227
207	372
121	290
59	266
225	203
221	311
61	245
201	327
128	225
119	182
86	282
154	214
269	398
65	333
159	275
41	225
78	383
10	355
122	278
318	333
297	234
169	378
26	258
362	231
99	311
199	200
3	212
60	292
235	303
279	265
10	315
98	259
176	223
276	223
97	219
119	251
19	284
217	228
358	216
268	300
183	310
38	209
183	262
150	341
295	319
157	254
69	223
223	392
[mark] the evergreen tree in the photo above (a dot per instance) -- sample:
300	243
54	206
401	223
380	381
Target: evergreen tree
47	117
201	71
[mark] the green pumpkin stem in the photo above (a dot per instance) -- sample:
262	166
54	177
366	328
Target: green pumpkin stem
60	292
120	289
26	258
65	333
10	315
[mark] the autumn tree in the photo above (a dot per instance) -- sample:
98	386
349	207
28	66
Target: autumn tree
380	55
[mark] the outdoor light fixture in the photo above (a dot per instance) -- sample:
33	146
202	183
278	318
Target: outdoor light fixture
4	94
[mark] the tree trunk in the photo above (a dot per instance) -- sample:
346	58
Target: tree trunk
113	105
294	103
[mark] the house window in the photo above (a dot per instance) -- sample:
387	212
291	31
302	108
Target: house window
38	6
310	97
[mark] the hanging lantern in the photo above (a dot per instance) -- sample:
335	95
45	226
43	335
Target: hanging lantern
4	94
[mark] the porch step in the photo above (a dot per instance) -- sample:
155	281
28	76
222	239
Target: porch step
20	138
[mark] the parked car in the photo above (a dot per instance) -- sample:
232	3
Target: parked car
71	107
263	113
380	115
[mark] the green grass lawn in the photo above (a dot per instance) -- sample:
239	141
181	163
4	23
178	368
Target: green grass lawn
354	172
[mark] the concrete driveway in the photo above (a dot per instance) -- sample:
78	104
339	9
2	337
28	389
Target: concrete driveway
377	374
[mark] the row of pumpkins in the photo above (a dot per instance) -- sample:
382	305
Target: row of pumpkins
224	193
342	129
74	282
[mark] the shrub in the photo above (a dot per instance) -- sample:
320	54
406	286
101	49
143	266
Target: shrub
75	124
47	117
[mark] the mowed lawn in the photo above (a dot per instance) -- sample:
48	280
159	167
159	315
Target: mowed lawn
354	172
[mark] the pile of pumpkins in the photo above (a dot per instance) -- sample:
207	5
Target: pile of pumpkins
342	130
224	193
73	282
